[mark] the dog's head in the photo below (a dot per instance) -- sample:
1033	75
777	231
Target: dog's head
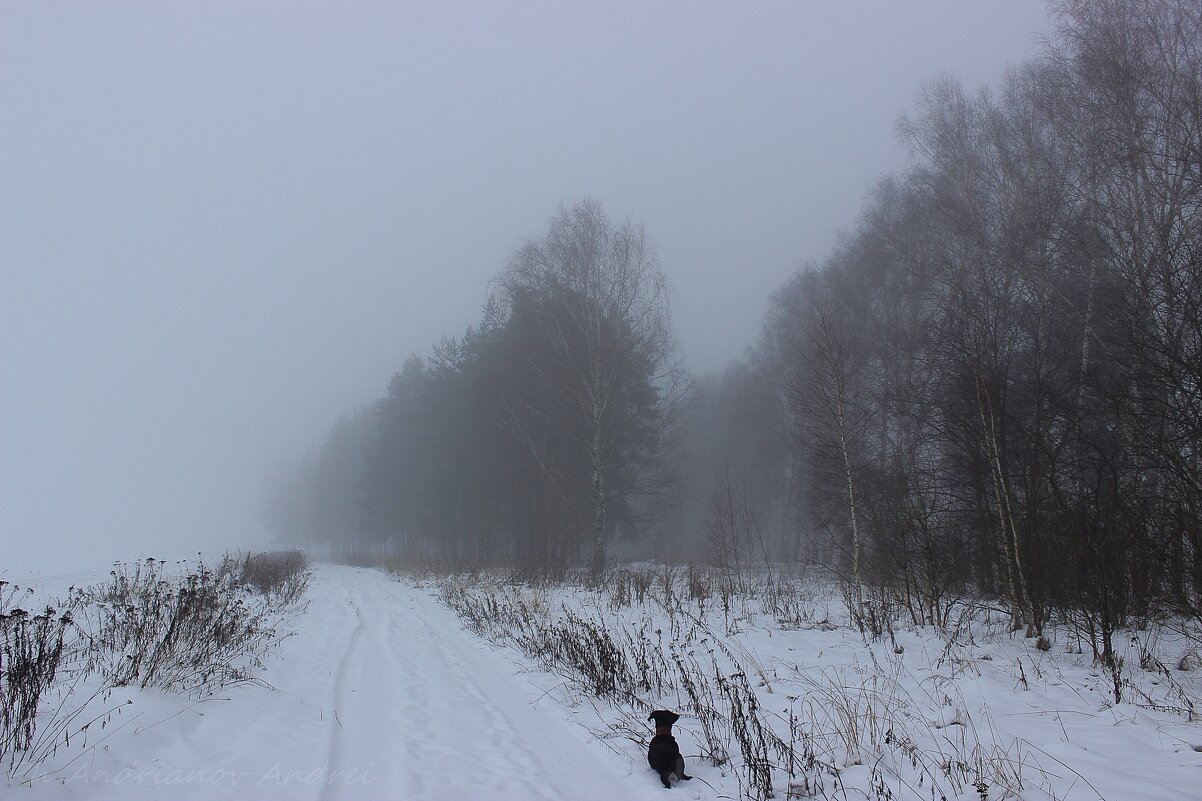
663	718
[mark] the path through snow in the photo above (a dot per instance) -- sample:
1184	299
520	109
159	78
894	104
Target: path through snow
429	712
379	695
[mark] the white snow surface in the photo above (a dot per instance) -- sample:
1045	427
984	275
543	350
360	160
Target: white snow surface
379	695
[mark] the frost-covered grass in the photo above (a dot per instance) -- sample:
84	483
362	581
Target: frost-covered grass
781	696
187	628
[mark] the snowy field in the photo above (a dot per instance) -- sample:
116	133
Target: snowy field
975	713
383	692
378	695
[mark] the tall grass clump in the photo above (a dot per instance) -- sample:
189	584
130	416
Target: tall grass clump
192	628
194	633
31	651
638	662
283	575
673	637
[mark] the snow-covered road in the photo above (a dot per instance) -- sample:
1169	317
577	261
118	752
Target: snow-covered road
379	695
425	711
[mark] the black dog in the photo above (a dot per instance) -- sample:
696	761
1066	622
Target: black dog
664	753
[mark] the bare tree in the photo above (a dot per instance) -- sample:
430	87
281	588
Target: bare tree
607	365
821	388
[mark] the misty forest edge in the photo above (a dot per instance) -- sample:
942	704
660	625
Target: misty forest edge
993	386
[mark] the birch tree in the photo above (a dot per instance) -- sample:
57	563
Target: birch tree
604	359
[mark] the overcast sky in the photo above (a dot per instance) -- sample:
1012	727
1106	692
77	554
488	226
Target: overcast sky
223	224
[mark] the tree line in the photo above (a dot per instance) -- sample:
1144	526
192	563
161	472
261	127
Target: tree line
992	386
534	439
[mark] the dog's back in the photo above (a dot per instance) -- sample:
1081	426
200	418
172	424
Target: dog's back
662	752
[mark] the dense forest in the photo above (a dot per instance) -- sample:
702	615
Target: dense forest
992	387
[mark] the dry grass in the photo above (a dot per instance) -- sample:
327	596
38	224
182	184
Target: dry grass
189	628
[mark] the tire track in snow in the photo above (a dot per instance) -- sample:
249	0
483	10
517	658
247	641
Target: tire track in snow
365	740
426	711
503	749
341	683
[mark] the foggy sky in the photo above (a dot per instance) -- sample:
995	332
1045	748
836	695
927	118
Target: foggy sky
222	225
